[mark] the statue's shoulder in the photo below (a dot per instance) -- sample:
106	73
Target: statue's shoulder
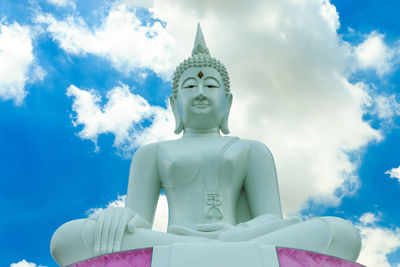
148	151
153	148
168	144
257	147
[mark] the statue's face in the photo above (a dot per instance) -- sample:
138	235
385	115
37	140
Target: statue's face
201	99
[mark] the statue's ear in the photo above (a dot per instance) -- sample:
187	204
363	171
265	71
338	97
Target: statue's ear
178	120
224	125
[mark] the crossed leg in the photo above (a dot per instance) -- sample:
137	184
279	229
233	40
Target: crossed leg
327	235
74	241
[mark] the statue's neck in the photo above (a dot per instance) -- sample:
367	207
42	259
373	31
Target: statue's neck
190	132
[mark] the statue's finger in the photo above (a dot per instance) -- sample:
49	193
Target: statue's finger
180	230
113	229
98	233
119	233
133	224
106	230
121	227
210	227
210	235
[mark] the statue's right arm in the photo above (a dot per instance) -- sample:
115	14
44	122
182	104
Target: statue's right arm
142	196
144	182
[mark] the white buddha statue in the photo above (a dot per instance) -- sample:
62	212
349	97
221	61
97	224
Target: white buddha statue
219	189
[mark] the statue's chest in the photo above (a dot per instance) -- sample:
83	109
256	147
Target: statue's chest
211	163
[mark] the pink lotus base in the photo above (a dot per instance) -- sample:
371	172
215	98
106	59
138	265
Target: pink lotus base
133	258
288	257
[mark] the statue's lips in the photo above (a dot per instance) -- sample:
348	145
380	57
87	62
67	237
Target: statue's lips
200	105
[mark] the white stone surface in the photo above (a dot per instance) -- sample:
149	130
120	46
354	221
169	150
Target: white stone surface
215	255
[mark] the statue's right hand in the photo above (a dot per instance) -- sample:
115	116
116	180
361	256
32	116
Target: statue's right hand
111	225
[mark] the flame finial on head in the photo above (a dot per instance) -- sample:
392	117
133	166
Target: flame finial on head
200	46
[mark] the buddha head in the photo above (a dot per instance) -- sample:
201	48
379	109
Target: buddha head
201	98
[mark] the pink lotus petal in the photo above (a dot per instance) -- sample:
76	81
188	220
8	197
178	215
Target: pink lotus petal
133	258
289	257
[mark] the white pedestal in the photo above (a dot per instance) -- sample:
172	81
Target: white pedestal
214	255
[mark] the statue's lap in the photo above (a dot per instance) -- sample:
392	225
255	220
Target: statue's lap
335	237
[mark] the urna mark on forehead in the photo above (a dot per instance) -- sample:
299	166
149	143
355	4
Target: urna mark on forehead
201	74
200	58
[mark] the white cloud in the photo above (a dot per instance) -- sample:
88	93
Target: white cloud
121	38
394	173
374	54
122	116
24	263
368	218
386	107
119	202
160	219
377	242
16	62
37	73
291	88
62	3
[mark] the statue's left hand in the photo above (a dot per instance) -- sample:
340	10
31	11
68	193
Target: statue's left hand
214	227
209	230
257	227
111	225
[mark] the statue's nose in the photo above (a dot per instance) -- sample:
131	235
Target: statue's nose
200	93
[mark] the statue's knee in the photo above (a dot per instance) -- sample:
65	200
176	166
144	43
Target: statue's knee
68	240
345	239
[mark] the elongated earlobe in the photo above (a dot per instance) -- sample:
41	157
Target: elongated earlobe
178	120
224	126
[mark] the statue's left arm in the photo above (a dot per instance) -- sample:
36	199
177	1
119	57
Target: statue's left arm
261	187
261	183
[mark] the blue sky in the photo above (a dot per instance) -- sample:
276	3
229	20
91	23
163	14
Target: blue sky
84	84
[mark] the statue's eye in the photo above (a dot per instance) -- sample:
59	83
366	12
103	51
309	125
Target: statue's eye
211	83
189	86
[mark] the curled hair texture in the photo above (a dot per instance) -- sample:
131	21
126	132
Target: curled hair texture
200	60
